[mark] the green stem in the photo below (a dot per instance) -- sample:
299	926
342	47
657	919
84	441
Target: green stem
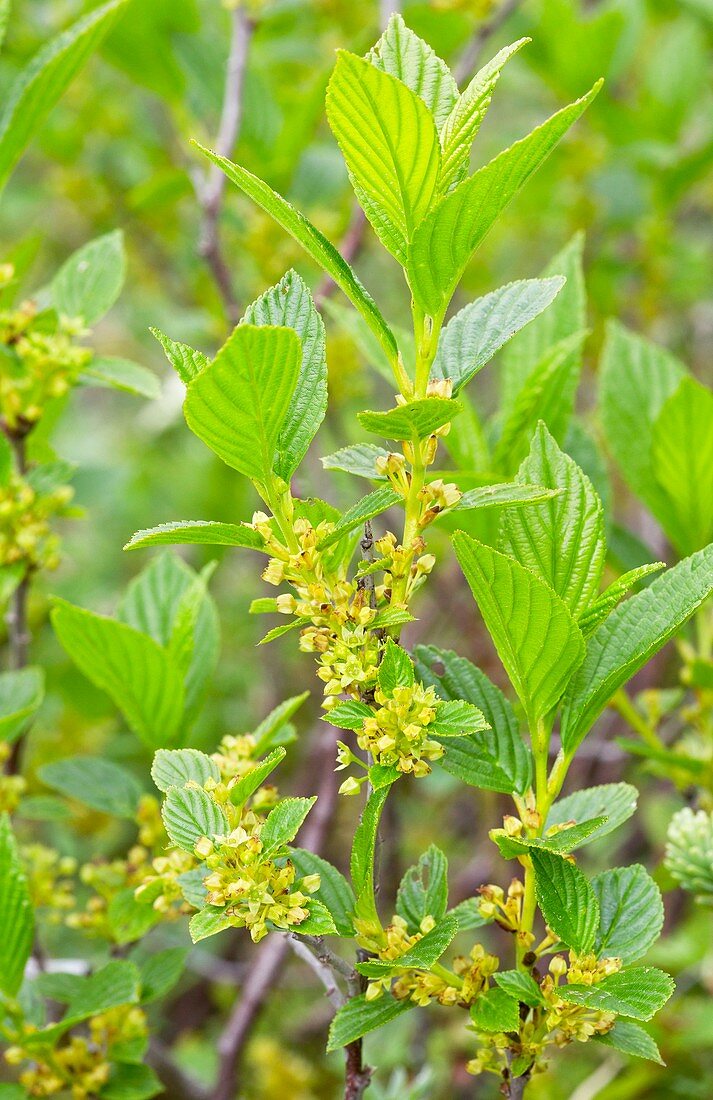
447	975
624	706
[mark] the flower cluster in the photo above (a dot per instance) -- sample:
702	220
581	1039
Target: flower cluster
250	885
26	537
50	878
397	732
79	1065
41	362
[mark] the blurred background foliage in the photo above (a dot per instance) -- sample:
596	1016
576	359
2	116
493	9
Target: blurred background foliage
635	176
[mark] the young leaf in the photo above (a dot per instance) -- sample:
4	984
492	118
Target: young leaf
359	460
90	281
270	731
567	900
499	496
246	786
473	336
186	361
421	956
495	1010
638	992
207	922
289	304
447	237
177	767
396	668
364	848
417	418
284	822
121	374
423	891
598	611
207	531
314	243
498	759
334	890
189	813
349	715
682	461
404	55
636	379
562	539
16	919
40	84
358	1017
21	694
96	782
629	637
131	667
615	801
458	719
630	1038
465	119
537	639
631	912
239	403
390	144
318	923
373	504
521	986
562	842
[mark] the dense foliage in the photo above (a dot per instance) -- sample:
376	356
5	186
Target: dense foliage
473	905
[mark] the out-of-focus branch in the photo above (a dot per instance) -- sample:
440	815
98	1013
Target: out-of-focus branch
210	186
18	634
468	60
178	1084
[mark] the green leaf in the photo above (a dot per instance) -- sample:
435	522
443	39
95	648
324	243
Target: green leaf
289	304
349	715
404	55
246	786
131	1081
270	731
185	360
129	920
495	1011
90	281
423	891
177	767
635	380
563	842
458	719
314	243
40	84
121	374
396	668
16	919
364	848
598	611
206	531
284	822
131	667
96	782
189	813
421	956
318	923
467	914
561	540
465	119
417	419
447	237
373	504
521	986
160	972
358	1017
638	992
503	496
21	694
334	890
630	1038
390	144
629	637
239	403
615	801
566	317
547	394
208	922
567	900
113	985
473	336
631	912
682	462
495	759
537	639
359	460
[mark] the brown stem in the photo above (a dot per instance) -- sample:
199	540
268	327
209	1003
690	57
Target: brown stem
16	617
349	248
210	189
358	1075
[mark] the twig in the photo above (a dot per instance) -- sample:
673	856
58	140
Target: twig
210	188
468	60
319	964
18	634
349	248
